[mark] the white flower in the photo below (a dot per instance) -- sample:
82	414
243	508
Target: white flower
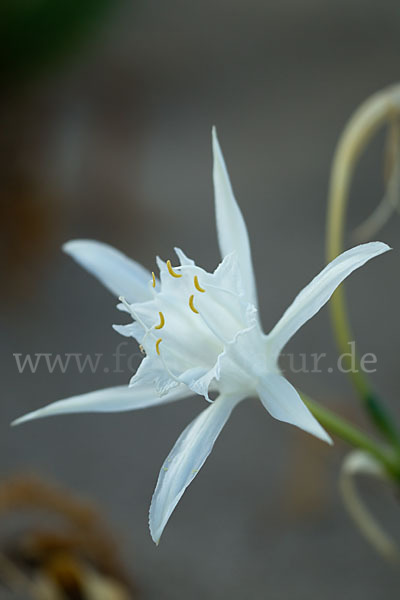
201	331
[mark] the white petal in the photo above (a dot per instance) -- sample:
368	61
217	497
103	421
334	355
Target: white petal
199	379
223	307
151	374
134	330
120	274
184	260
161	264
231	228
123	308
318	291
114	399
185	460
243	361
284	403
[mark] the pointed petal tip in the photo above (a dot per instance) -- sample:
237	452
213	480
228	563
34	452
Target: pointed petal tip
316	430
325	437
66	246
156	537
217	151
375	248
215	143
71	246
155	532
284	403
381	246
156	528
183	259
23	419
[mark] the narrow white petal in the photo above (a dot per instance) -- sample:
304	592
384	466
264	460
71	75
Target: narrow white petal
114	399
231	228
184	260
120	274
318	291
185	460
134	330
284	403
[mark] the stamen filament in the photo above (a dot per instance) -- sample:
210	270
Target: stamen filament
192	305
157	346
171	271
154	279
197	285
162	321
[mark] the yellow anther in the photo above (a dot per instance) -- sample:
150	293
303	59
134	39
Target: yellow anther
162	321
154	279
158	342
171	271
197	285
192	306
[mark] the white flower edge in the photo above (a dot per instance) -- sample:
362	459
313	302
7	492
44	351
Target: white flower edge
118	273
278	396
231	227
186	459
317	293
123	276
114	399
283	402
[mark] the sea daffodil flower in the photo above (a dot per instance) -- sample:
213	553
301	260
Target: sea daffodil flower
200	331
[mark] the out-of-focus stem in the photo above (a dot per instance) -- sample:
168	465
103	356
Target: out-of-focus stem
351	434
372	114
366	120
355	463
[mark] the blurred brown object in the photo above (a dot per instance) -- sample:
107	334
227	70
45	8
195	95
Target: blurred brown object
72	557
28	213
26	233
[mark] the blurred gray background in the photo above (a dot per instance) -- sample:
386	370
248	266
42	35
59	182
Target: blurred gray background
113	142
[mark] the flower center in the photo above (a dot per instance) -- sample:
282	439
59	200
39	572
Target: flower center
191	299
192	316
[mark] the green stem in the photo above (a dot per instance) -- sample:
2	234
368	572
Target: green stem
367	119
354	436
